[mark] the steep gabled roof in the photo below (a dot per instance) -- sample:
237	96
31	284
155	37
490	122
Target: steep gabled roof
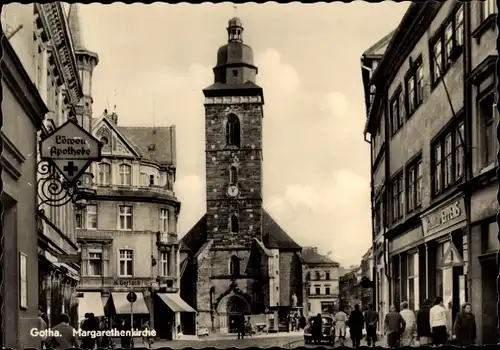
195	237
156	144
123	137
153	143
380	46
274	237
310	256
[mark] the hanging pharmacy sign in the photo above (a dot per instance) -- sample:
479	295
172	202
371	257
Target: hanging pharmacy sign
71	149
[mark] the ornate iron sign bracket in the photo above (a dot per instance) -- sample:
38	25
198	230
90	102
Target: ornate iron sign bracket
52	189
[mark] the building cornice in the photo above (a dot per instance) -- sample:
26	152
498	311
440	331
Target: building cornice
53	16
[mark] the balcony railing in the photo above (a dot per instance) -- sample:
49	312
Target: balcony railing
166	239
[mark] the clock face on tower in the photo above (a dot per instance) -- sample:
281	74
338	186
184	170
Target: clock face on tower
233	190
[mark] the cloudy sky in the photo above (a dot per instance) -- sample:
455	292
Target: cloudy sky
156	59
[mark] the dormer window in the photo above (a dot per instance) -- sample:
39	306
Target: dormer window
151	180
152	148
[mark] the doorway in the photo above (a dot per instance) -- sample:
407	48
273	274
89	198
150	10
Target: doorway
489	300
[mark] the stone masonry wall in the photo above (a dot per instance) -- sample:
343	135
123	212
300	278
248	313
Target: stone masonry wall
290	278
219	159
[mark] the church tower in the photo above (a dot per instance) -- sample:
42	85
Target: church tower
233	143
86	62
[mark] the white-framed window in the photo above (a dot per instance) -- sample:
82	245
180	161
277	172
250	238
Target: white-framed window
104	173
95	264
125	172
487	108
23	281
125	217
327	290
164	220
126	263
164	264
91	217
412	272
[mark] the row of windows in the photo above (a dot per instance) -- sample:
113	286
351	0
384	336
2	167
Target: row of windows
317	275
89	218
447	163
445	48
95	264
317	290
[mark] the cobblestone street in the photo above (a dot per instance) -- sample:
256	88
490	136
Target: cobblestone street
382	342
263	341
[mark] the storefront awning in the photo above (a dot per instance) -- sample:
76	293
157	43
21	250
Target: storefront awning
175	303
122	306
91	302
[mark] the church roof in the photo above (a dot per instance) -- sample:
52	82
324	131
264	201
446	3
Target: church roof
194	239
311	256
274	237
220	89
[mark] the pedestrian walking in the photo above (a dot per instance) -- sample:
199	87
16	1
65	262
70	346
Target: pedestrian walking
371	321
66	338
126	339
340	326
394	325
465	326
241	327
438	320
145	337
423	323
302	322
317	328
356	326
42	325
409	317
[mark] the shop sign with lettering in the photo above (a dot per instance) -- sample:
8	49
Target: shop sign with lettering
71	149
129	282
445	216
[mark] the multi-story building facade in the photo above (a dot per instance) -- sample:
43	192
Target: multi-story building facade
350	288
40	83
433	142
238	259
321	282
367	285
128	229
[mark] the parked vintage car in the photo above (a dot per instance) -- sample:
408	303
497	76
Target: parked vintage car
326	331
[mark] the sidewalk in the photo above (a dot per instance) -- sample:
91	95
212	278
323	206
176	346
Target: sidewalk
218	336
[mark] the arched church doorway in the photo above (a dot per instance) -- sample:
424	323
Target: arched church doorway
231	311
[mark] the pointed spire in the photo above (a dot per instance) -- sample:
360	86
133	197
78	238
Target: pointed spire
74	22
